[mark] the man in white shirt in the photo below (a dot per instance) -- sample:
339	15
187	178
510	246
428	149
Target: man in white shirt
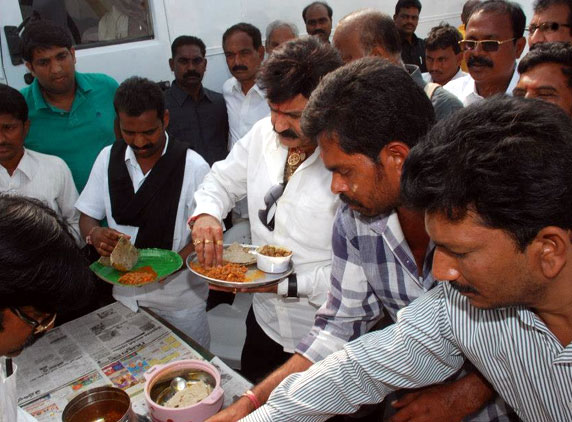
443	55
503	251
43	274
493	41
144	185
289	201
245	100
29	173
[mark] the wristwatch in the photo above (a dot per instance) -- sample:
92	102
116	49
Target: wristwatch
292	285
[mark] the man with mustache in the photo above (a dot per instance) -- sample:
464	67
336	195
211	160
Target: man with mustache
493	41
318	19
143	185
289	204
406	19
443	55
552	21
29	173
43	274
197	115
503	251
71	112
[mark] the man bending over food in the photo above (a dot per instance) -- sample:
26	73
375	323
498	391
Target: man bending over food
143	185
280	171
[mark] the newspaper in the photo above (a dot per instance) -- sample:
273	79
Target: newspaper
110	346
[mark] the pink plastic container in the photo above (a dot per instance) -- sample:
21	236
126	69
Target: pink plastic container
197	412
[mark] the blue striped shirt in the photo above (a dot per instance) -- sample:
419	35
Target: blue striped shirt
373	271
511	347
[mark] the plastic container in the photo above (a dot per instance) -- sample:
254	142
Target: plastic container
273	264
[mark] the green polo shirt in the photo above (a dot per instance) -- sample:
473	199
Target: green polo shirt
79	135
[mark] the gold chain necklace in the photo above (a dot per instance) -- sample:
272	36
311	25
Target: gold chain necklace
296	157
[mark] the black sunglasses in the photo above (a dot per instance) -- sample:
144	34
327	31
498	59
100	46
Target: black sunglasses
271	198
39	327
546	27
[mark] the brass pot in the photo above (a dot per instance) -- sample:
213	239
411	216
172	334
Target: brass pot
100	404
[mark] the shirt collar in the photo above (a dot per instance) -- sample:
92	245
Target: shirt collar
511	85
180	95
255	88
27	165
131	159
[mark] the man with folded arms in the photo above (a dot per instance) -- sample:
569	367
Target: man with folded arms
493	42
143	185
503	251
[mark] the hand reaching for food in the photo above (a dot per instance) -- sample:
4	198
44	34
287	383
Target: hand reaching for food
207	240
105	239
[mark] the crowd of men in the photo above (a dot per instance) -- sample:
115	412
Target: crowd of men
375	157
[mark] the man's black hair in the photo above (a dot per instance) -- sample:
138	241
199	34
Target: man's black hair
550	52
506	159
363	103
406	4
40	263
541	5
137	95
296	67
517	17
187	40
443	37
43	35
321	3
252	31
13	103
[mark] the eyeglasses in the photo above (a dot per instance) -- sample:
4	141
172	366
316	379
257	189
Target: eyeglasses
486	45
271	198
39	327
545	27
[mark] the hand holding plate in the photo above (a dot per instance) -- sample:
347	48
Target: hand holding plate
207	240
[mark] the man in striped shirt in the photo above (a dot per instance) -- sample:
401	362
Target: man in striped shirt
495	185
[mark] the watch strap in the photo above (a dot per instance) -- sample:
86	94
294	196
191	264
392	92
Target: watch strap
292	285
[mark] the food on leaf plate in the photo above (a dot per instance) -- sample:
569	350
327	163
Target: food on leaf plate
141	275
123	257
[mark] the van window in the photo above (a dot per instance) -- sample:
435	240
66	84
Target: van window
94	23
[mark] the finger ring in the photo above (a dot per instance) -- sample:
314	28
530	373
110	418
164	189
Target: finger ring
208	241
219	242
196	242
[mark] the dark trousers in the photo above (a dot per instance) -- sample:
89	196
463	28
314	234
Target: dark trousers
261	355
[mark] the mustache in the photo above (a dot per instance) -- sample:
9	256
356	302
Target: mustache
142	148
344	198
288	133
463	289
239	67
478	60
318	31
191	73
6	145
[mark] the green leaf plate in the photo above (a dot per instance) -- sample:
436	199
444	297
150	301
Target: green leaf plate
164	263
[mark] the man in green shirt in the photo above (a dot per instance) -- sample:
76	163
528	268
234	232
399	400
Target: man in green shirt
71	113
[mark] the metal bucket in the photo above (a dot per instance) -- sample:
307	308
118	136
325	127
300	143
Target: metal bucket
101	404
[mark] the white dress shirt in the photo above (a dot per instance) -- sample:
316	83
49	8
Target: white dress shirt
46	178
181	289
9	410
427	76
466	90
243	110
303	223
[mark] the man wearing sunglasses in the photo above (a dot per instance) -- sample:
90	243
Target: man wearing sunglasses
289	202
552	21
493	41
42	273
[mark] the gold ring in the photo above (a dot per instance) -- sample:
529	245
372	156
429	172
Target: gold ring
219	242
197	242
207	241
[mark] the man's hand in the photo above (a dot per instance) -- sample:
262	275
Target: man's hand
207	240
239	409
444	403
104	239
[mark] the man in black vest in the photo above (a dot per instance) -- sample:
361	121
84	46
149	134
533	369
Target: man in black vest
144	185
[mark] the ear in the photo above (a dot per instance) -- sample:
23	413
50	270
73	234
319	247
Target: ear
552	245
519	47
393	155
165	119
72	52
172	65
459	58
30	68
206	62
261	52
26	128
